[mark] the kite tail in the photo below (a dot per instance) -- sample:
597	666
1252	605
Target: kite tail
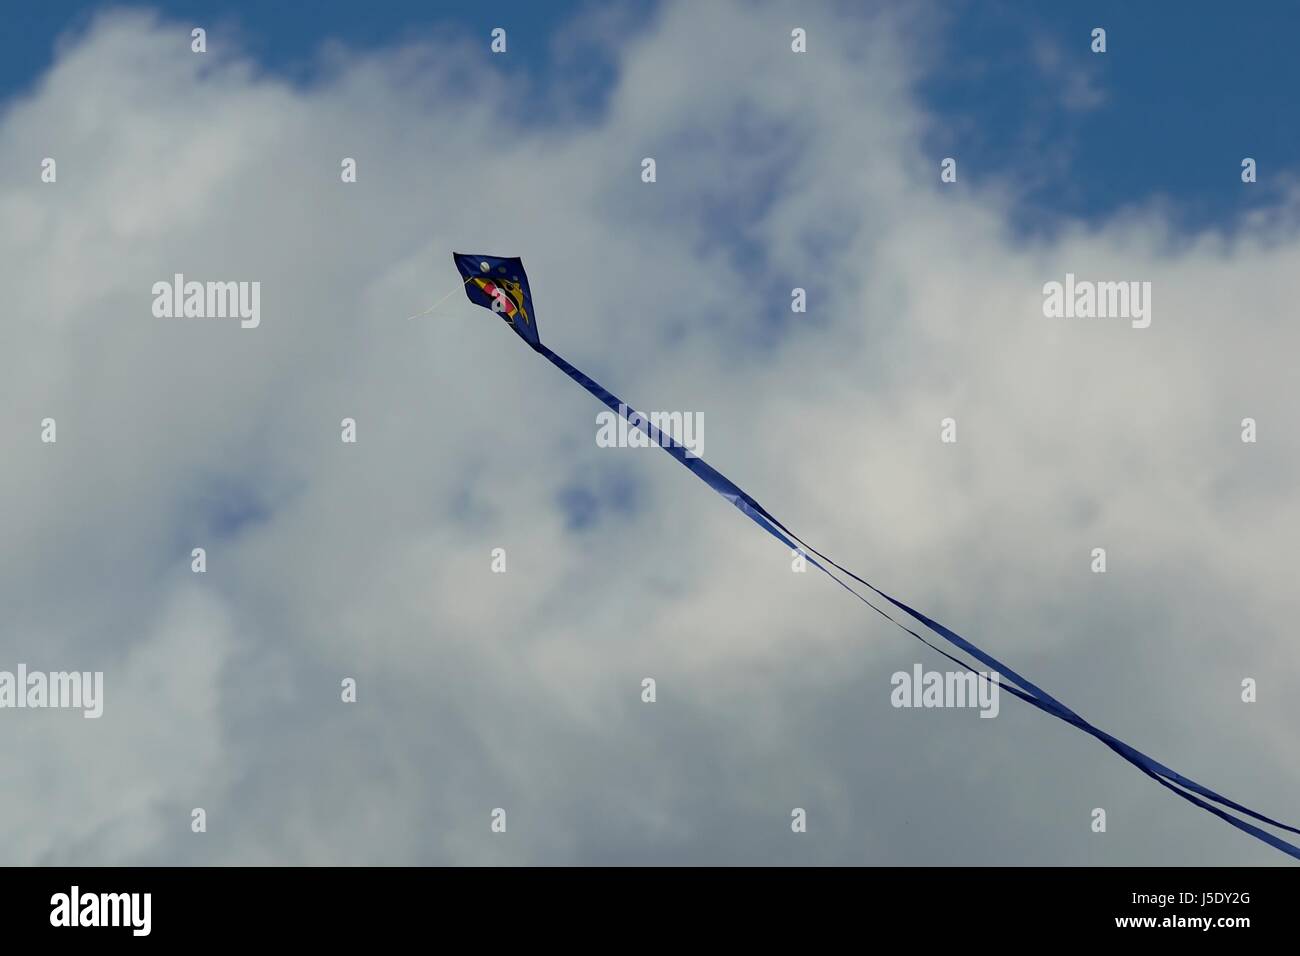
1051	705
1020	687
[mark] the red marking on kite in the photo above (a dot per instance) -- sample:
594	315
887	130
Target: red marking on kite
507	304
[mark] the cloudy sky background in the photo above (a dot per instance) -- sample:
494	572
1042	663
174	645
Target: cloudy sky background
522	690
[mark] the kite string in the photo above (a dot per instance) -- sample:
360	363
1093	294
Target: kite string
440	301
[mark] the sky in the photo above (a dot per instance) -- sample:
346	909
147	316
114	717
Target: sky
1156	119
475	690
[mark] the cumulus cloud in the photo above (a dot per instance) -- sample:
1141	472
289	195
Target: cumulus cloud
522	690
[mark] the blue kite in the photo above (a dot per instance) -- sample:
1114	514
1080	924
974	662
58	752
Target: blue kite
500	284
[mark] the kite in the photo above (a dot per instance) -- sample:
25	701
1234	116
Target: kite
500	284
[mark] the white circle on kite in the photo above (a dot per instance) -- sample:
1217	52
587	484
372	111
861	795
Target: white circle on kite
484	267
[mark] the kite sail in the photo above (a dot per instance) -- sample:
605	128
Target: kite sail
500	284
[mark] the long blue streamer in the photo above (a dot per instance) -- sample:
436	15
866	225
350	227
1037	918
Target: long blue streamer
1024	689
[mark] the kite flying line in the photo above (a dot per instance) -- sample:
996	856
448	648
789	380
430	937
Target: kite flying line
500	284
450	293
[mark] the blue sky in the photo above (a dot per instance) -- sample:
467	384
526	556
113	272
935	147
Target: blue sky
1183	93
1186	89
